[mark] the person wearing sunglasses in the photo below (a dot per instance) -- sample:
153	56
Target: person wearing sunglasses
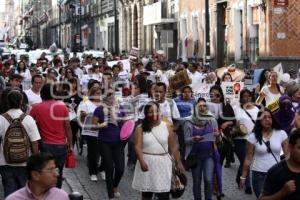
263	150
42	177
246	115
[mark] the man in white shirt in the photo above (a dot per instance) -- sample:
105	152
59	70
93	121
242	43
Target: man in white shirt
75	65
88	63
14	175
195	76
33	94
168	107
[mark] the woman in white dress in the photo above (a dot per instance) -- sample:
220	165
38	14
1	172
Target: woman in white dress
153	140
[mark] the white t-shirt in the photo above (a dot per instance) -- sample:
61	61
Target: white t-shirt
87	67
78	72
26	82
88	107
169	111
262	160
33	98
29	125
242	117
270	97
196	79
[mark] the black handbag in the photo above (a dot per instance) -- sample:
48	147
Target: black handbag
191	162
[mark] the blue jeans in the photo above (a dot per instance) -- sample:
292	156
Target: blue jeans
258	179
205	166
13	178
240	151
60	153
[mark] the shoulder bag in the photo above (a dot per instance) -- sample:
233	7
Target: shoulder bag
178	181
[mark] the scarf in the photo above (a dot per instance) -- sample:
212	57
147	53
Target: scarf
200	119
285	115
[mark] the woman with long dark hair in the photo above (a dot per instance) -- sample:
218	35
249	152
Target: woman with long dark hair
246	115
25	72
262	82
153	140
263	150
107	119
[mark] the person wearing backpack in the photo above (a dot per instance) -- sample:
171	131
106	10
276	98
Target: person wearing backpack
20	137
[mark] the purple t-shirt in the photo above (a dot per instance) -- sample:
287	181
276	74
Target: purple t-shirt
111	133
203	149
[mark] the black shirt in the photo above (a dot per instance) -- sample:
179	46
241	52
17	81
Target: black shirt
277	176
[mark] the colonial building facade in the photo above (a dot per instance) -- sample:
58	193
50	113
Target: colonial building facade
241	31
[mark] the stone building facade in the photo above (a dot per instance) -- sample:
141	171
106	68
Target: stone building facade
132	31
243	32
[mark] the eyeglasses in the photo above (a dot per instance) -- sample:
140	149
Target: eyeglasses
268	144
50	170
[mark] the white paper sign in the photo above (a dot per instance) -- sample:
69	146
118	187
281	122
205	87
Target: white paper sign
126	64
203	91
231	91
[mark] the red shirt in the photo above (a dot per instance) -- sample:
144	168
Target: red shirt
50	116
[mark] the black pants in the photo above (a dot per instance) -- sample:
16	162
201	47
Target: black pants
226	151
74	127
93	154
180	136
160	196
131	151
13	178
114	164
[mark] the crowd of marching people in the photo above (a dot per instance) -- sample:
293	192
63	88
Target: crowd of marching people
152	108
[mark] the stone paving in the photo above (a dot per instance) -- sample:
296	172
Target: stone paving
78	180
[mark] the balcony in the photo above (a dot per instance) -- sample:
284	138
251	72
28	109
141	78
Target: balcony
158	13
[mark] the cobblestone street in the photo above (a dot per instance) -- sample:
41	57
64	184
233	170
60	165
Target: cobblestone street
78	180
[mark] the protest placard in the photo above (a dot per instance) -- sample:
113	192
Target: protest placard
126	64
231	91
203	91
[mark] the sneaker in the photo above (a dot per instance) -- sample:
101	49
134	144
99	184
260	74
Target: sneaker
117	194
94	178
102	174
